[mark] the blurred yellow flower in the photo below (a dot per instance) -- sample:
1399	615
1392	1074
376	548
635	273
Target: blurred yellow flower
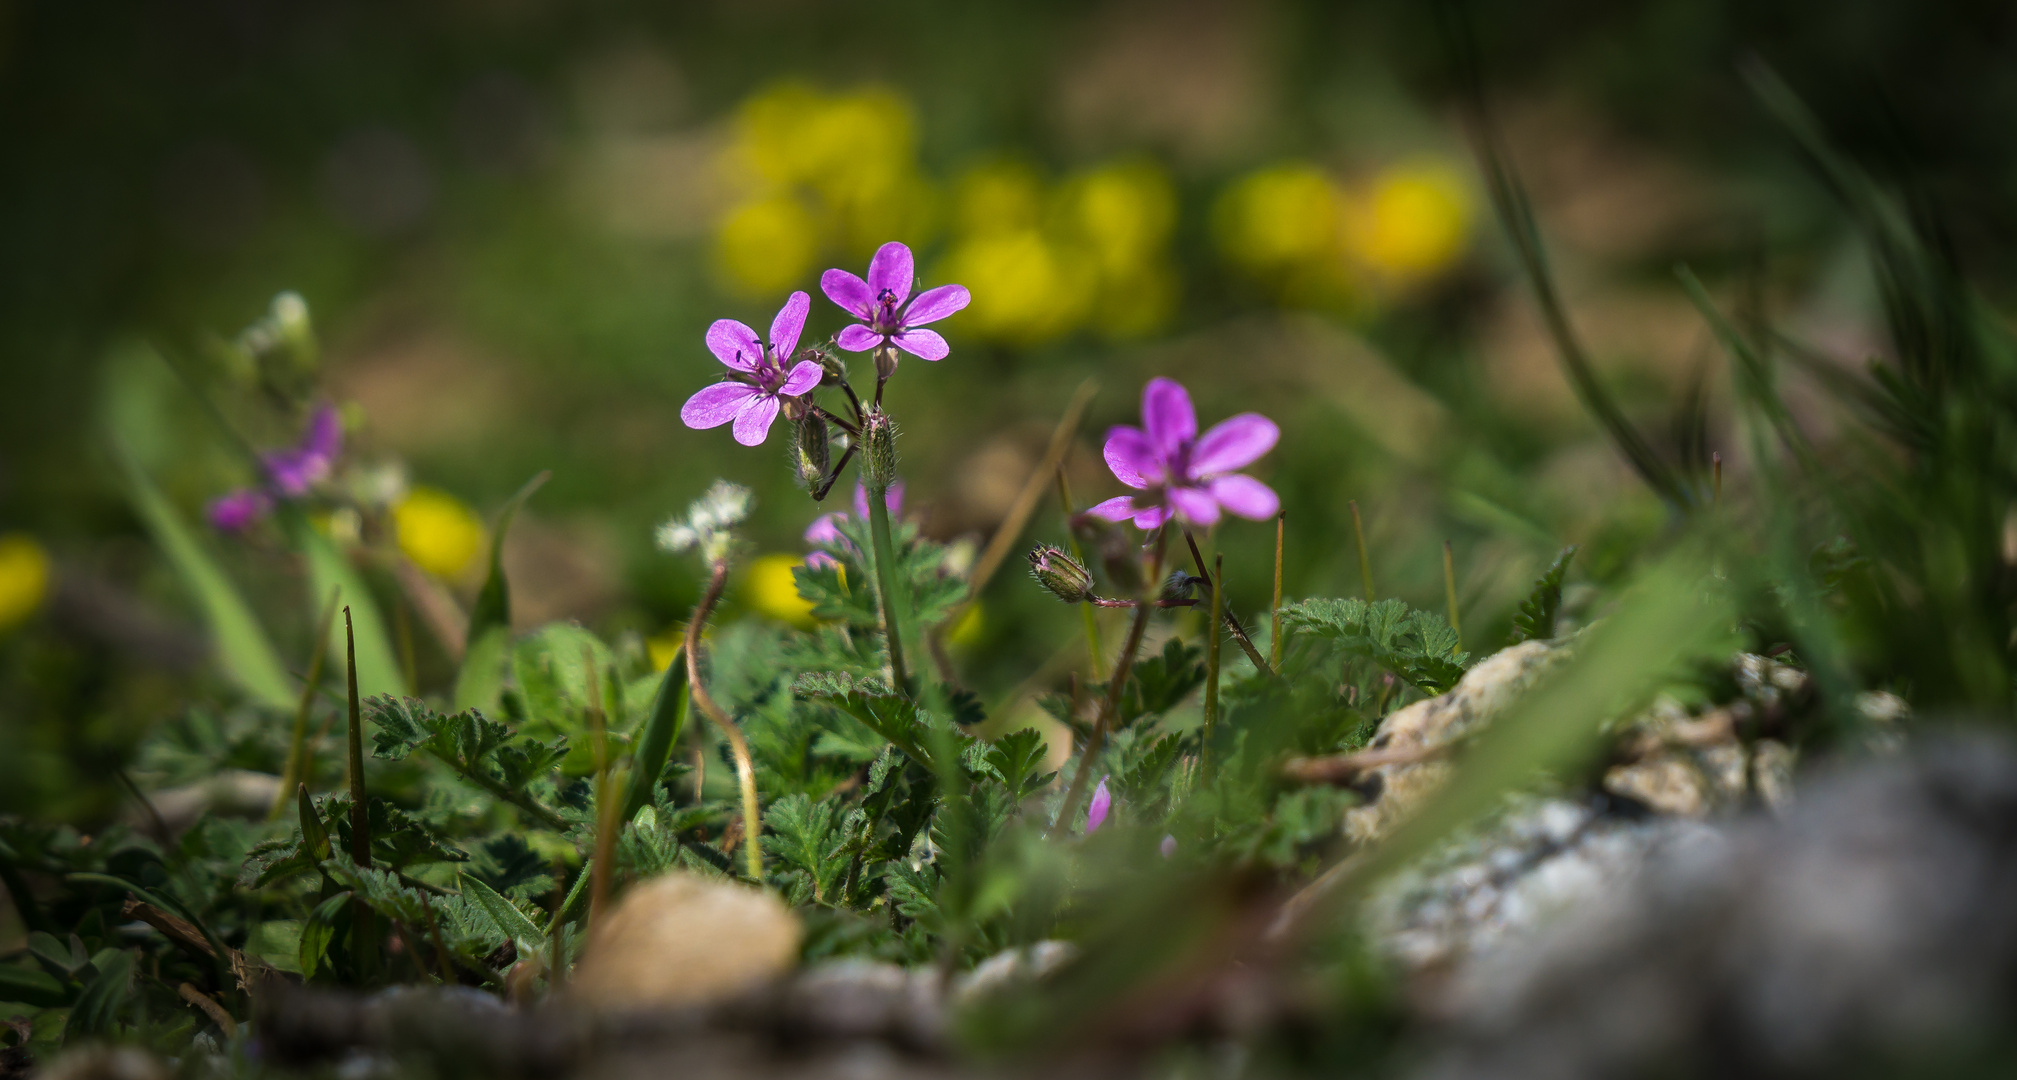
1279	217
662	647
1415	221
1026	290
24	578
767	244
966	630
1124	212
772	590
997	198
792	133
437	531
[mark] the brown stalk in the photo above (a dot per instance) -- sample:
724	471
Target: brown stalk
745	766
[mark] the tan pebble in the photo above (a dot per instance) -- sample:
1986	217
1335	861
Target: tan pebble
684	940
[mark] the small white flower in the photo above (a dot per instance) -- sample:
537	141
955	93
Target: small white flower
710	522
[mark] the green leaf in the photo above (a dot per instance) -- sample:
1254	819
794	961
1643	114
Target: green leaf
1418	646
377	668
318	933
1161	683
479	683
514	924
398	839
98	1008
1535	620
493	605
30	987
654	743
801	834
1015	758
243	650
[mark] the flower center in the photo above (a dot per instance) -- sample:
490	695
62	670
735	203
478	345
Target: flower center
886	320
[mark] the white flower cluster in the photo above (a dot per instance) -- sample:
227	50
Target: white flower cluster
709	524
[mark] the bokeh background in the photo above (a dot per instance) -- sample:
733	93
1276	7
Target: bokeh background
512	221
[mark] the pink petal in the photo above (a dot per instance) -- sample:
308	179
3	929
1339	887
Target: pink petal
932	305
861	500
1234	443
923	344
752	424
716	405
803	377
891	269
734	344
892	499
1133	457
1246	497
1096	811
1195	505
850	292
236	511
1119	508
825	529
325	435
1152	516
858	338
1168	416
790	322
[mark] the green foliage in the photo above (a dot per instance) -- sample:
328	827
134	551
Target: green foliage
1535	620
1417	646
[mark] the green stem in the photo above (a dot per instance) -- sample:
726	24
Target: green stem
1212	664
745	765
1365	561
295	771
1110	704
1079	556
885	581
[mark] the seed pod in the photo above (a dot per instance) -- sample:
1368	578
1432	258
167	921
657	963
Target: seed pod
809	450
878	443
1061	574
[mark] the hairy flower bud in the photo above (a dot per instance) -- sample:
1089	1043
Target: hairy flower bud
878	444
833	370
809	453
1061	574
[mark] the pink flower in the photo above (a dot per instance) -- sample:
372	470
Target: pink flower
758	382
1096	811
1186	475
235	512
880	302
825	529
296	470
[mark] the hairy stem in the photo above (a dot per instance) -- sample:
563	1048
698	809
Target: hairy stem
1079	556
1225	614
1450	591
885	581
1212	664
745	766
1365	560
1097	741
1275	612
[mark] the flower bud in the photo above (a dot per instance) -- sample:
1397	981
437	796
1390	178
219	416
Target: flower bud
833	370
1058	572
878	444
809	450
885	362
1179	586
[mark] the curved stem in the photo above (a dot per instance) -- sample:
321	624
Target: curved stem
745	766
844	425
1097	741
885	580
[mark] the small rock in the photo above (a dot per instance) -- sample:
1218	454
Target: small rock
683	940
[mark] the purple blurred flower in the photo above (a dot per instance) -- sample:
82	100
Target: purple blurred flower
825	529
1168	847
1187	475
236	511
295	470
880	302
1096	811
758	380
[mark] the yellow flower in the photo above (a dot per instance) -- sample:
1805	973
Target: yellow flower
1124	212
1000	197
662	647
1415	222
767	244
1279	217
24	578
436	531
772	590
1025	289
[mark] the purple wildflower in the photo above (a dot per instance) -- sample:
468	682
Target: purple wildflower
236	511
825	529
295	470
880	302
1187	475
1168	847
759	381
1096	811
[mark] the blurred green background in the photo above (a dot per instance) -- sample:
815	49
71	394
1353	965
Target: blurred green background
513	220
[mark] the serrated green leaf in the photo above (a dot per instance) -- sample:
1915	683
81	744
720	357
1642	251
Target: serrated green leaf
1535	621
514	924
1015	758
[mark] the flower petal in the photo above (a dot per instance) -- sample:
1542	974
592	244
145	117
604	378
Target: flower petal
734	344
1118	508
1246	497
1133	457
1096	811
858	338
891	269
803	377
923	344
825	529
861	500
752	424
790	322
716	405
1234	443
932	305
324	439
850	292
1195	505
1168	416
236	511
1152	517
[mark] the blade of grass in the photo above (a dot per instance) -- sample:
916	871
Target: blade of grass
297	765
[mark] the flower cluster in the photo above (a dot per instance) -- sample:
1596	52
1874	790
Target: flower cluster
710	523
290	473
